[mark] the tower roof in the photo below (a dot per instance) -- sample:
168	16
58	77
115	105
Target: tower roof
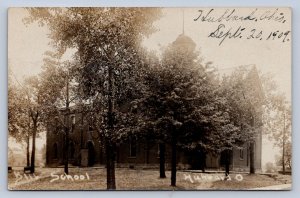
184	41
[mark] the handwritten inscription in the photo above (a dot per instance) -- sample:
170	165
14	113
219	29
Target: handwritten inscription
222	33
20	177
230	25
210	178
231	15
24	177
66	177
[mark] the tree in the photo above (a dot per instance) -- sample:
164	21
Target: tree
62	90
25	110
287	157
19	123
277	119
245	96
178	92
281	135
270	168
40	98
106	39
34	97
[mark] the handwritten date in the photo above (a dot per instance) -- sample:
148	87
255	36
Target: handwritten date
223	33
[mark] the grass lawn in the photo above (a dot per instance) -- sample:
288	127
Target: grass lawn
128	179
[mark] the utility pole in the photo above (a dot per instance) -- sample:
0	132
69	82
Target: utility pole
252	149
173	157
66	121
110	145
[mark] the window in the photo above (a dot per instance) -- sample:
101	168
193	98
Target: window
132	147
73	119
158	151
241	153
91	125
55	151
91	128
161	147
91	153
72	122
56	125
56	130
71	150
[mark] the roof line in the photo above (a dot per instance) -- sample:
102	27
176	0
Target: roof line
237	66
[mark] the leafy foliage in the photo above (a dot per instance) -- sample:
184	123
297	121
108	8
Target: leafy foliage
18	114
277	119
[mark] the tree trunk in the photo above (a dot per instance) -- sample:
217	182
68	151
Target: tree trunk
203	161
174	161
110	166
27	151
66	122
252	158
147	152
252	152
81	132
66	162
227	168
32	168
227	163
28	142
162	149
110	146
283	157
283	145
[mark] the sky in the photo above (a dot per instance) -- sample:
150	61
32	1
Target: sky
27	44
269	56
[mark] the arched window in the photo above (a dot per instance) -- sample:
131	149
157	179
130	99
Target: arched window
55	151
73	121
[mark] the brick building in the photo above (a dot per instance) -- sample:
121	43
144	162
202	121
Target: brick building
87	149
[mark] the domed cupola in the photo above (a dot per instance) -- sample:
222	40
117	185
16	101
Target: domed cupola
184	42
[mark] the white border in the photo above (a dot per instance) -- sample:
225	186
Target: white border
295	4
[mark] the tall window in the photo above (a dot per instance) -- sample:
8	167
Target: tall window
73	120
71	150
55	151
132	147
56	125
158	151
241	153
91	128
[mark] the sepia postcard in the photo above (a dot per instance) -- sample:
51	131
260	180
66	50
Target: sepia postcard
116	98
